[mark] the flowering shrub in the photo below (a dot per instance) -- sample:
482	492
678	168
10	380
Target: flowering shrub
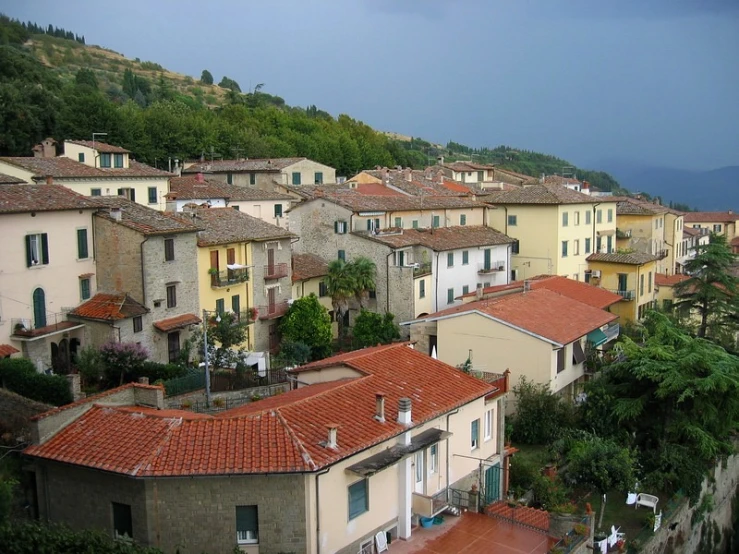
122	360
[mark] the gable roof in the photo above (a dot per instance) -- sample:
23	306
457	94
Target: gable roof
540	193
254	164
363	203
443	238
142	219
10	180
662	280
190	188
109	307
467	166
634	206
543	313
66	168
41	198
100	146
136	442
710	217
308	266
631	258
226	225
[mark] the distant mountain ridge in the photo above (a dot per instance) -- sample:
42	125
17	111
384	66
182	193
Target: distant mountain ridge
711	190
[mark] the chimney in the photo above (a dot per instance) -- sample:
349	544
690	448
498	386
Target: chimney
478	291
440	160
385	173
542	178
408	174
115	213
199	177
49	180
380	407
585	187
332	428
404	411
731	212
143	380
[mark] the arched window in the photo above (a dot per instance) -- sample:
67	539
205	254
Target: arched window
39	308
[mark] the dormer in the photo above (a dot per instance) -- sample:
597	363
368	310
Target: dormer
97	154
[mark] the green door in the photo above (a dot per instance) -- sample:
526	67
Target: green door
492	485
488	263
39	308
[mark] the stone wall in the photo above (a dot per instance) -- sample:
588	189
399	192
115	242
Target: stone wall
16	412
282	255
175	402
118	257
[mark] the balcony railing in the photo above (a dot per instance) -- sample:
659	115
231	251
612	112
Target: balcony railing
422	269
228	278
491	267
429	506
662	253
275	271
625	294
623	233
612	331
272	311
26	329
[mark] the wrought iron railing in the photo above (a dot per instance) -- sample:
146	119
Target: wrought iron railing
625	294
491	267
271	311
422	269
275	271
229	277
28	328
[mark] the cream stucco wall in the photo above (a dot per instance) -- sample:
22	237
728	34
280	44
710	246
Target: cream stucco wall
628	310
307	170
647	235
423	305
91	155
424	218
264	210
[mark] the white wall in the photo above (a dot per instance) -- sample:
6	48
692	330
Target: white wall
459	275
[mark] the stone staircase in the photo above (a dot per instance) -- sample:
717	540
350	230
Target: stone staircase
538	520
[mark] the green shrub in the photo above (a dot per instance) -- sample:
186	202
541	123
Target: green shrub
158	372
19	376
523	474
541	416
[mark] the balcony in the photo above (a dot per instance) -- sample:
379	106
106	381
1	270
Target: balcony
24	329
275	271
612	331
272	311
228	278
662	254
422	269
491	267
429	506
625	294
623	233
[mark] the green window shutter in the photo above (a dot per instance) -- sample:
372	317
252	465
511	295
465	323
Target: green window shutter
422	289
278	210
488	263
81	157
399	222
465	289
85	289
44	249
450	259
415	224
220	305
152	195
296	178
236	303
120	192
82	244
450	296
369	224
336	226
342	255
465	257
29	254
246	518
358	501
463	219
230	178
252	178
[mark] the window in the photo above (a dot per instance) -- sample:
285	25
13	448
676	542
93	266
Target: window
598	244
237	208
599	216
82	253
465	289
128	193
171	296
623	280
564	248
296	177
516	246
610	215
463	219
37	249
138	324
168	250
641	284
512	220
173	346
475	434
95	192
81	157
450	296
587	217
322	289
465	257
480	176
587	246
278	210
560	360
318	178
230	178
399	222
104	160
84	289
122	521
341	255
422	288
609	244
252	178
433	458
247	525
340	227
576	247
576	218
358	498
401	258
667	305
220	306
415	224
118	160
152	195
565	219
488	428
435	221
373	224
649	282
717	228
450	259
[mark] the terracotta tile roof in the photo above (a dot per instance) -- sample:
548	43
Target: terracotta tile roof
443	238
429	182
7	350
65	168
226	226
541	193
308	266
100	146
255	164
560	180
362	203
137	442
9	180
541	312
634	206
109	307
467	166
143	219
41	198
711	217
691	232
177	322
662	280
189	188
632	258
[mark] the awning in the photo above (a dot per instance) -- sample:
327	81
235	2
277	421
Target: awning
236	266
597	337
606	232
394	454
178	322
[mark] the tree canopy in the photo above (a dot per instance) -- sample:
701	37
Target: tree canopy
371	329
308	322
206	77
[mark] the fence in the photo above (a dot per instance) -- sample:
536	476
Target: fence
222	381
194	380
648	531
573	539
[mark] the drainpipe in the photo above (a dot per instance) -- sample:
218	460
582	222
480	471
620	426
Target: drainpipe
143	270
595	242
505	208
387	282
318	510
450	414
436	295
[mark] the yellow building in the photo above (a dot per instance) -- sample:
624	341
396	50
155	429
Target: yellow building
556	228
720	223
631	275
231	277
309	272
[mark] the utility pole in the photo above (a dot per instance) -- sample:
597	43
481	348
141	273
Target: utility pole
207	366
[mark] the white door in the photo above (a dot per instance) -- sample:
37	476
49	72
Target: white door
419	473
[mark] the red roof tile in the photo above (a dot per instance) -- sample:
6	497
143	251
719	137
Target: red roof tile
662	280
10	180
541	312
308	266
443	238
65	168
276	435
177	322
109	307
711	217
100	146
41	198
577	290
7	350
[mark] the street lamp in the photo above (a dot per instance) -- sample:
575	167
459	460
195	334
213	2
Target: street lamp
205	349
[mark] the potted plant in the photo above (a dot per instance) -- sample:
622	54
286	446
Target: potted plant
581	529
253	313
186	404
213	271
19	327
219	402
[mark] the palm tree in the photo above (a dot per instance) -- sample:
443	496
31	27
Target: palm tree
363	271
341	286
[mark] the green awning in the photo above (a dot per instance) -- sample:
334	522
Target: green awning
597	337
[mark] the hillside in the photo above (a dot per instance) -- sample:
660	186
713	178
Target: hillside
159	114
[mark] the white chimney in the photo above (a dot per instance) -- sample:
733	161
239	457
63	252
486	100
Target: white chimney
478	291
380	407
404	411
332	428
116	213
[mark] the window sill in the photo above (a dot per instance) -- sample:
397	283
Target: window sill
247	542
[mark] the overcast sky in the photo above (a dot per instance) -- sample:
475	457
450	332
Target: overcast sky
648	81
